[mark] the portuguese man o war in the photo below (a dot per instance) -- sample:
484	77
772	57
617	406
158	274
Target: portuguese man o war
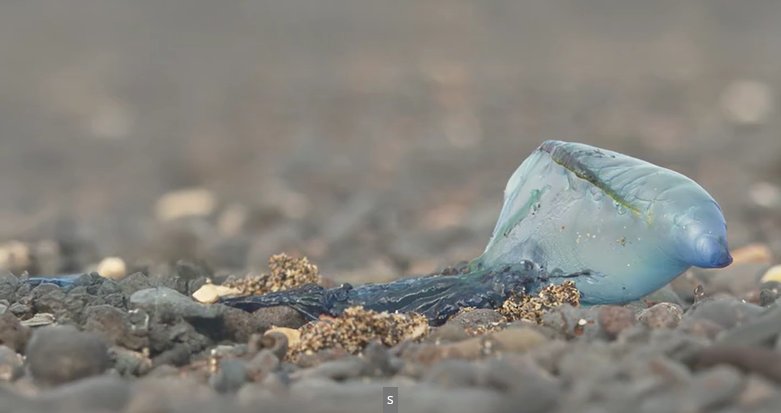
635	226
620	228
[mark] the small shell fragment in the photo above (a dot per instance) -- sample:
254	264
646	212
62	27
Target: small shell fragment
210	293
113	268
772	274
39	320
293	335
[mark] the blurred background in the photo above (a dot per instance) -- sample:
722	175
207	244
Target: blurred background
374	137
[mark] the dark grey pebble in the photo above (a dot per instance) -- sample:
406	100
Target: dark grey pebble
762	361
280	316
661	315
350	367
758	331
22	307
8	286
177	355
129	363
448	333
113	324
59	354
480	317
677	345
613	319
166	393
573	322
100	393
700	327
49	298
134	282
275	342
231	375
379	361
709	390
186	277
727	311
169	303
261	365
587	362
12	333
452	373
715	387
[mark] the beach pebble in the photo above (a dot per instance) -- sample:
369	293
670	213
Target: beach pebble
345	368
448	333
594	363
700	327
128	362
231	375
8	285
453	374
11	364
715	387
166	302
613	319
274	341
261	365
134	282
113	268
114	325
572	321
756	392
762	361
59	354
13	334
661	315
757	331
103	393
279	316
49	298
725	311
292	335
772	274
514	340
172	394
479	319
211	293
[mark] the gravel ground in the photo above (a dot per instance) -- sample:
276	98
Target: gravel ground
140	343
168	145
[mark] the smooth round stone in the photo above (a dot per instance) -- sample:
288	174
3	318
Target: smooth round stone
60	354
662	315
12	333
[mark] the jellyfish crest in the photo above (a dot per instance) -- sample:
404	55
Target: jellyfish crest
698	231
